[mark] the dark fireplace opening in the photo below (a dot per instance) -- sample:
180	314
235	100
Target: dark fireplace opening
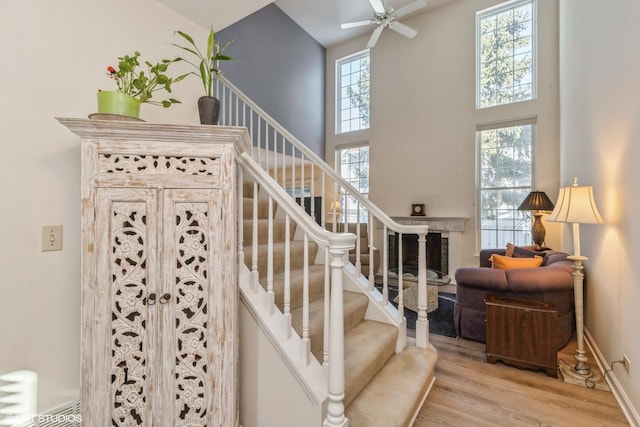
437	251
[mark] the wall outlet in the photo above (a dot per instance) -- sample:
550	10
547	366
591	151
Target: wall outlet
626	363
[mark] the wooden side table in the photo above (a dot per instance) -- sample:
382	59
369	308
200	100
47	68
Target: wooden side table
521	332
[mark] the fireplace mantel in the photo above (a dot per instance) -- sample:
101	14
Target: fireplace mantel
435	223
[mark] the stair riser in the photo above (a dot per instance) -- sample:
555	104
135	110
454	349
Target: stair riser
368	347
296	259
263	208
353	314
316	288
279	229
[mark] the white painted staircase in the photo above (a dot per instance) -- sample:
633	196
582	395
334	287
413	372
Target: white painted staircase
320	345
382	387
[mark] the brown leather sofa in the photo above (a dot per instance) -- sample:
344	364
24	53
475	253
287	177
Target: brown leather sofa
552	282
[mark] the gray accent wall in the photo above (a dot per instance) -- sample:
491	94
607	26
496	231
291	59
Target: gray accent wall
281	68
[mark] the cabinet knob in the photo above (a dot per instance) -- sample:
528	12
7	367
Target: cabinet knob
152	298
165	298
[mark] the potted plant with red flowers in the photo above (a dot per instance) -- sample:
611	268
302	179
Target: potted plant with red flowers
208	68
134	87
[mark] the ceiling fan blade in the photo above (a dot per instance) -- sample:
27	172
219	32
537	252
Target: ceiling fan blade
356	24
410	8
377	6
403	29
374	37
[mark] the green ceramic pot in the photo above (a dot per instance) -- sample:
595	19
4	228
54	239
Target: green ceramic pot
110	102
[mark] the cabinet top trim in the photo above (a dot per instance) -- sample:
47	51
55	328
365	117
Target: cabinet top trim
141	131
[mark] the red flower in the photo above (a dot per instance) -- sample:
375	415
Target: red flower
111	72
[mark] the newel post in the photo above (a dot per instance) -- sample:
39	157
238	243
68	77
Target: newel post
422	323
339	245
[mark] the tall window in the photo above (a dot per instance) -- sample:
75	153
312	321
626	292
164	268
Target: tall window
353	93
353	165
505	179
506	53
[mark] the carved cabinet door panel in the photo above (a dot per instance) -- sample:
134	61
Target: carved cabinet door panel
161	348
193	307
119	341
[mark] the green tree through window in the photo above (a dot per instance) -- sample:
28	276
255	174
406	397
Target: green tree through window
506	54
353	166
353	92
505	180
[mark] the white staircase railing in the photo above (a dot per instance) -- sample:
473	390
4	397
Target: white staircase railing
293	177
335	247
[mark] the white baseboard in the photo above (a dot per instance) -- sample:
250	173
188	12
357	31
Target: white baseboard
619	394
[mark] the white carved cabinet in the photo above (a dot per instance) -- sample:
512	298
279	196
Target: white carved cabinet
159	295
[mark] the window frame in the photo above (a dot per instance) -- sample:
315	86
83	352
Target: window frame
529	121
534	48
338	89
338	166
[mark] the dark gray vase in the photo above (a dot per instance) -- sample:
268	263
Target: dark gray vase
209	110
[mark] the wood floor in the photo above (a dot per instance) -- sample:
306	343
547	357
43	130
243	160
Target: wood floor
472	393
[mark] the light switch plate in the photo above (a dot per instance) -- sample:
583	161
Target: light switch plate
51	238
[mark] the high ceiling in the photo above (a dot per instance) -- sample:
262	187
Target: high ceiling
320	18
217	13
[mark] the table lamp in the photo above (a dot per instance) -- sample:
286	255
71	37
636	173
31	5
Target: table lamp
576	205
538	202
334	213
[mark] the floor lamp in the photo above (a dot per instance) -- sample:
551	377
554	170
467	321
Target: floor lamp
576	205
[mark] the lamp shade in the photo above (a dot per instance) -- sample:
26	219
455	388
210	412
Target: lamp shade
536	201
576	205
335	205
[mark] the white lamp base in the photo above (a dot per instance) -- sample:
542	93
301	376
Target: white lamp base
585	377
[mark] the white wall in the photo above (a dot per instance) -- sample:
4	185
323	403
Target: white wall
423	115
600	143
55	56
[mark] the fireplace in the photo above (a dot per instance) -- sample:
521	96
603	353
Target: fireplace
444	241
437	251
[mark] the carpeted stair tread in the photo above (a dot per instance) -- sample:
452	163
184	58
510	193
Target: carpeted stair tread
279	229
395	394
297	256
316	286
367	347
355	306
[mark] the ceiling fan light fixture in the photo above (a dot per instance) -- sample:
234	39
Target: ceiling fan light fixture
387	18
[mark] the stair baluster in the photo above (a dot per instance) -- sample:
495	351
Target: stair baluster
358	261
270	305
254	242
327	314
422	323
287	277
306	341
371	272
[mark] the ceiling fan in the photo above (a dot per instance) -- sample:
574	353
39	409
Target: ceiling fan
386	17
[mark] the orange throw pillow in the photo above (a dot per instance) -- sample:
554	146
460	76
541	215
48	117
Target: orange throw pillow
505	263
